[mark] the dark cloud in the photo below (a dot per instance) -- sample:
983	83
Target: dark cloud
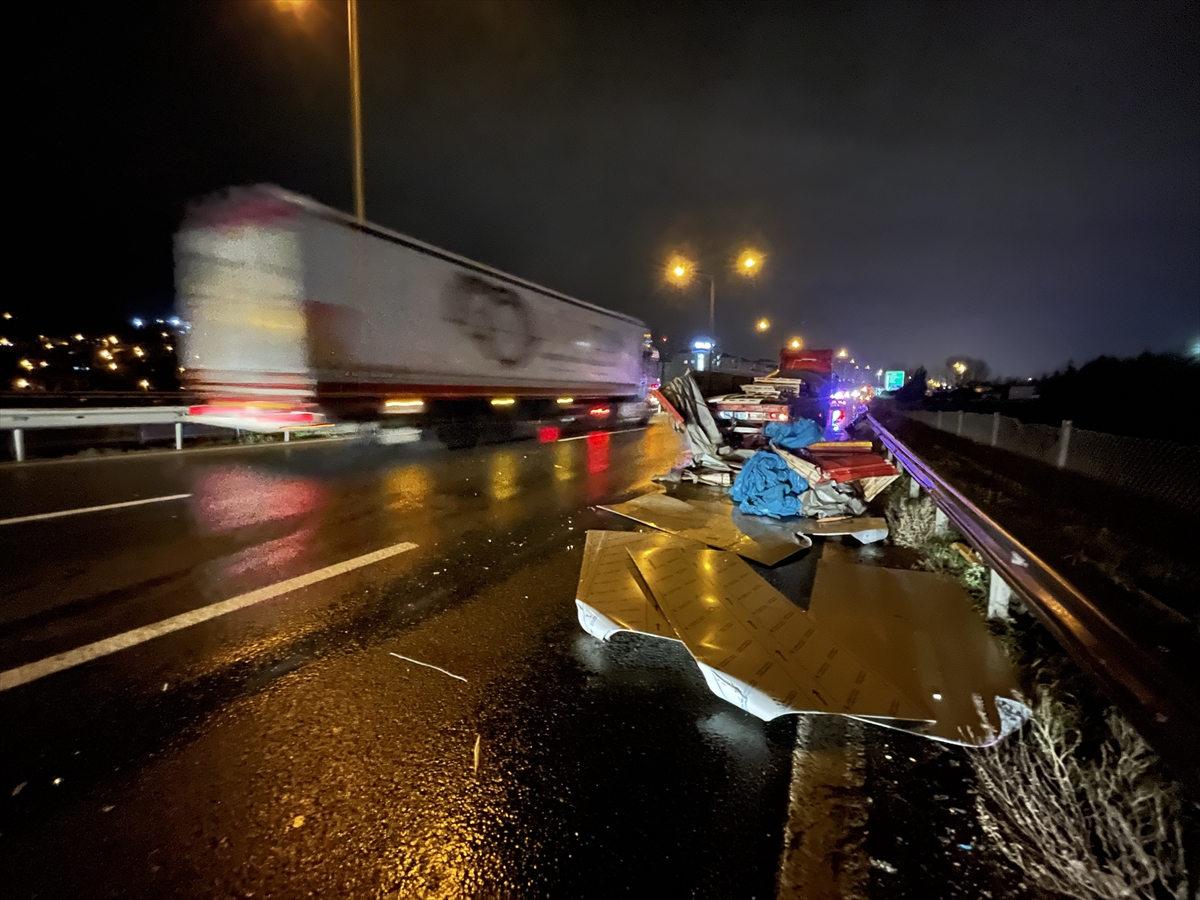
1018	182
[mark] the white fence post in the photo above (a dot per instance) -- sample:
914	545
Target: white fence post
19	444
941	523
1064	442
999	593
939	420
995	428
958	424
914	488
287	436
178	435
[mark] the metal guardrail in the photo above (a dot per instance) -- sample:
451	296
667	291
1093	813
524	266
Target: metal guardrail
1151	696
18	421
86	418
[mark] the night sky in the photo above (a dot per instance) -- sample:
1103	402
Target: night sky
1018	183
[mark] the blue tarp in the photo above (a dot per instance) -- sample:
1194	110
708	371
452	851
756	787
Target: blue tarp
794	435
767	487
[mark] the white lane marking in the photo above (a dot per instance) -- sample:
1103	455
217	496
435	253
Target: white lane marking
580	437
87	509
32	671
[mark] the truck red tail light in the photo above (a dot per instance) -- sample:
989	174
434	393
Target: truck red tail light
599	411
547	434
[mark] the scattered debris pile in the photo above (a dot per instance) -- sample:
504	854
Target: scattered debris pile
897	648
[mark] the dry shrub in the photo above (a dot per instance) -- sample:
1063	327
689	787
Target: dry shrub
1087	826
910	520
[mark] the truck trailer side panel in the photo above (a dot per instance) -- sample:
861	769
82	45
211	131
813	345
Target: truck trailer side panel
295	304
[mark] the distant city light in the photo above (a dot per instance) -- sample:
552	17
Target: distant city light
113	366
795	344
8	315
762	324
138	323
137	351
20	382
5	342
25	364
702	344
144	384
174	320
79	337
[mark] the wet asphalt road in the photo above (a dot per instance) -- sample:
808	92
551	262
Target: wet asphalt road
281	750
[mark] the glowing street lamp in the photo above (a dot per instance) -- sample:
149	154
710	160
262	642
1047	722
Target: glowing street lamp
796	344
762	325
749	263
680	271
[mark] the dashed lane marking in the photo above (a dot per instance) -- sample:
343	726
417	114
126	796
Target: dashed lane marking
87	509
32	671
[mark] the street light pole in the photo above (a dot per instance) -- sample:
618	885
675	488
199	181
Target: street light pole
360	211
712	305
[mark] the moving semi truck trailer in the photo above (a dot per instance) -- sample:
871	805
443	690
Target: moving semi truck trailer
301	317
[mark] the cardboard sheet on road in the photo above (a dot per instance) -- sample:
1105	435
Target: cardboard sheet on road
757	649
611	595
864	529
718	525
922	633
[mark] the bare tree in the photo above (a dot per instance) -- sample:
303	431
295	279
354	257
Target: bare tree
1103	827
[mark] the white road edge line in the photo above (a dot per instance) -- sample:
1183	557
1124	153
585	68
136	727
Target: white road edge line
32	671
87	509
580	437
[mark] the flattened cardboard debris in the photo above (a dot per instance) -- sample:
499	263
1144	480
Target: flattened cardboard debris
876	485
864	529
923	634
756	648
809	471
719	525
611	595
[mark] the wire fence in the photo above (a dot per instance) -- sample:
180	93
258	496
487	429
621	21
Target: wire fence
1163	470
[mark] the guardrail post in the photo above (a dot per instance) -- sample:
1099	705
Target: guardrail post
941	524
958	424
914	488
178	435
19	444
995	428
287	436
999	594
939	420
1064	442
